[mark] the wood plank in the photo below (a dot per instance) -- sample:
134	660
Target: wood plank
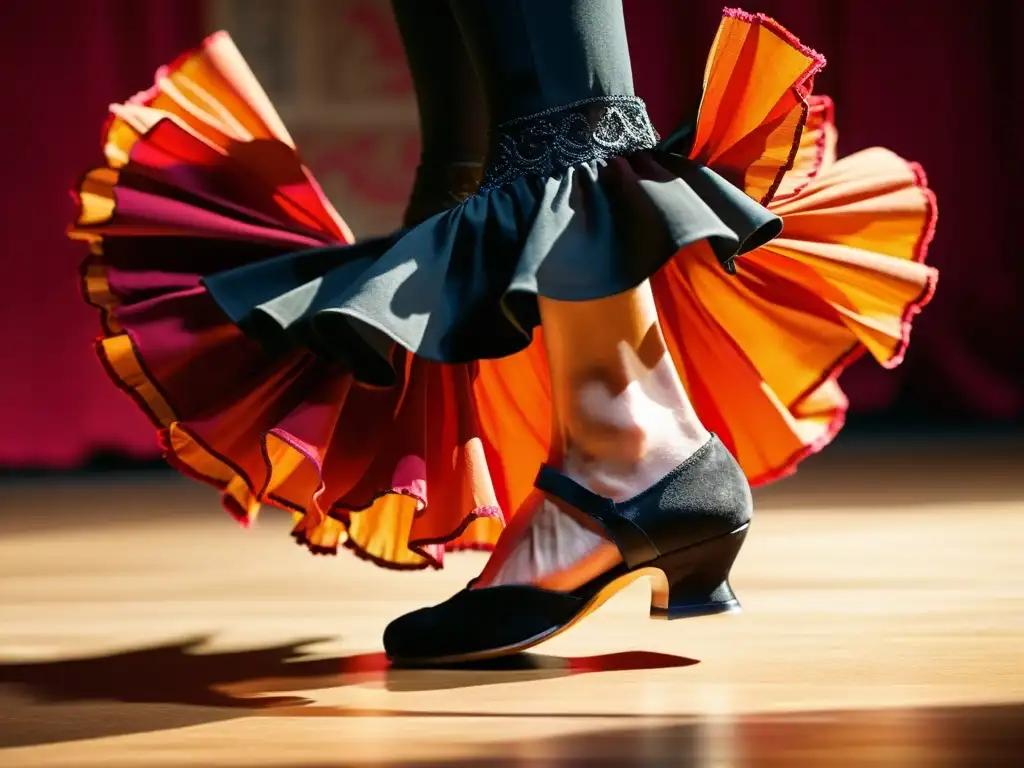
883	625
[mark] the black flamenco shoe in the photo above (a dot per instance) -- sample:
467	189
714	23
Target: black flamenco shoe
684	532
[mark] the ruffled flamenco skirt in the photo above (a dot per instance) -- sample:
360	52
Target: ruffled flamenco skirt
393	394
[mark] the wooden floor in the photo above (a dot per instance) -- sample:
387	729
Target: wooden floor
883	625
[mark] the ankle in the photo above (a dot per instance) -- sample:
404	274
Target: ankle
606	438
628	426
625	446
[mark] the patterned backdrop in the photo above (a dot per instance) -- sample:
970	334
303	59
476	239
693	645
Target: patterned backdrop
336	72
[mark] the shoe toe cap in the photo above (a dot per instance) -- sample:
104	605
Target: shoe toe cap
472	622
412	635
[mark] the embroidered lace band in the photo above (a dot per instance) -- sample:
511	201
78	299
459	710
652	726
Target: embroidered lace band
555	139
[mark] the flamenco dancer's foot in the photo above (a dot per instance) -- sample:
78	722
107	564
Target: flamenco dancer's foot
622	423
635	486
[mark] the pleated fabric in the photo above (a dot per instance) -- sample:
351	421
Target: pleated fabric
279	392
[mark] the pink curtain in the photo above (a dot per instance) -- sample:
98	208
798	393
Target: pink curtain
941	83
63	62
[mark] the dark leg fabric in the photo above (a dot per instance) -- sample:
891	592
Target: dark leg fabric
453	118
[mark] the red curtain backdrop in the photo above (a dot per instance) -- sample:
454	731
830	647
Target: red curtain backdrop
63	62
940	83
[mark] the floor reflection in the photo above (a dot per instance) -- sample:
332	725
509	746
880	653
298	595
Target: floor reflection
954	737
176	684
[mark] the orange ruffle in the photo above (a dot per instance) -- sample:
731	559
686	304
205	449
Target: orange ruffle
760	352
403	474
845	277
288	431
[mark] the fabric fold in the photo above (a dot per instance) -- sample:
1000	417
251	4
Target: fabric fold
392	394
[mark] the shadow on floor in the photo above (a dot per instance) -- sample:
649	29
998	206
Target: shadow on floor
172	686
176	685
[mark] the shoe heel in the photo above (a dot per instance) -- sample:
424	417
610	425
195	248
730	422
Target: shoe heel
695	581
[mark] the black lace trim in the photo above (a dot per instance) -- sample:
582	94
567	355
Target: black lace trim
551	141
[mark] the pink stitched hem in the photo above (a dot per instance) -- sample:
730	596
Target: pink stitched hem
802	89
790	465
826	104
772	25
920	255
853	354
